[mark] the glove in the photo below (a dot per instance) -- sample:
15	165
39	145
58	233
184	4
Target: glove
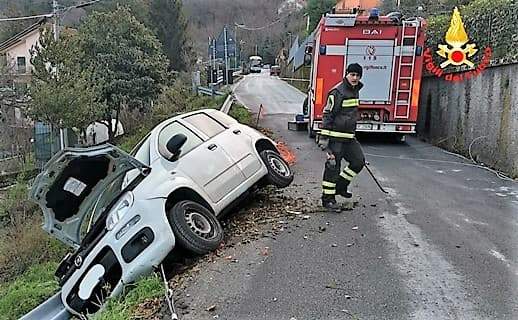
323	143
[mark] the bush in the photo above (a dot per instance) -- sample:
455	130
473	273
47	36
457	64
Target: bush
28	291
16	208
487	24
25	245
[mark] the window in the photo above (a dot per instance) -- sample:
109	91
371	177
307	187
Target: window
3	60
175	128
223	118
21	65
205	124
141	151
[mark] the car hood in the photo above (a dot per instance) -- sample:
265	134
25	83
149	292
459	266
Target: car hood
76	185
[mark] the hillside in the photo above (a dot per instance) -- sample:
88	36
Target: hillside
207	19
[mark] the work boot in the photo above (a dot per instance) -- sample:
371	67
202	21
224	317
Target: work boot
329	203
341	189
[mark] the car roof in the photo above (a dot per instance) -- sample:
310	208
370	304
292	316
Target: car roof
182	116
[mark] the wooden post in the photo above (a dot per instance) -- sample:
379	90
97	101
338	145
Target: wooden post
259	114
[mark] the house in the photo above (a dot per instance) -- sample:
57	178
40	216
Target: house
346	6
15	75
15	53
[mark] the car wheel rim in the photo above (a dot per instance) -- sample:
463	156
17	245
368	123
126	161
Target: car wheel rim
199	224
279	166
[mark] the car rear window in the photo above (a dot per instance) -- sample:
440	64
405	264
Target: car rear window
205	124
223	118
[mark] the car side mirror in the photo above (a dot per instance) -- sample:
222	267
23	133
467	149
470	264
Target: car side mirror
175	144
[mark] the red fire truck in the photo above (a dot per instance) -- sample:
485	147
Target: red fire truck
389	49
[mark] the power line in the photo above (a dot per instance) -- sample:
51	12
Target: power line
47	15
50	14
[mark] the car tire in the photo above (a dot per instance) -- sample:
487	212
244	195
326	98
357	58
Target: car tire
279	172
196	229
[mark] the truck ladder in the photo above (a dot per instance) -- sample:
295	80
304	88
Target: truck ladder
402	110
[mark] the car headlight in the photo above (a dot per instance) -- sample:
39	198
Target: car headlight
119	210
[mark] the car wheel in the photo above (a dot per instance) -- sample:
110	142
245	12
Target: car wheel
195	227
279	172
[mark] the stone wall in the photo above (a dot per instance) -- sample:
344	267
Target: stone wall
481	112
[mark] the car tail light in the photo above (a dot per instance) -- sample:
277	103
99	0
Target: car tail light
403	128
370	115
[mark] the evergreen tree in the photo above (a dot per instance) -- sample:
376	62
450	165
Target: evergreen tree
316	8
170	26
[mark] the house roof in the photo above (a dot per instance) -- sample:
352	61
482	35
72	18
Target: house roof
361	4
20	36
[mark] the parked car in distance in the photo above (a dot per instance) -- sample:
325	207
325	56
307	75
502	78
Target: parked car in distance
124	213
275	70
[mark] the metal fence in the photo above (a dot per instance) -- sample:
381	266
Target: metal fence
46	143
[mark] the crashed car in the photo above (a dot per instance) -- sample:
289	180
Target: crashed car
124	213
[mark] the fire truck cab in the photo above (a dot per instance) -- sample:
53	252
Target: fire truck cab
389	49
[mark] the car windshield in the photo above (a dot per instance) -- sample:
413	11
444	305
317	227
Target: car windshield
141	151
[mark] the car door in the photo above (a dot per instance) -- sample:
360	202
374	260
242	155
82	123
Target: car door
236	143
203	160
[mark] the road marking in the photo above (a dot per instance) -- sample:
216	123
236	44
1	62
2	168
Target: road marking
433	283
499	256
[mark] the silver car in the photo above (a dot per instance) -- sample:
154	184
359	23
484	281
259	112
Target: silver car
123	214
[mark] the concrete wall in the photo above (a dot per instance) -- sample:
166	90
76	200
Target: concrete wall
452	115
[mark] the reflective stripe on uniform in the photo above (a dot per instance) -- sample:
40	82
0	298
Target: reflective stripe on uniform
350	172
330	103
346	176
325	191
328	184
349	103
337	134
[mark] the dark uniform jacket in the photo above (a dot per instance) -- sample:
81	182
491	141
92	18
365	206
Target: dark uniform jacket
341	111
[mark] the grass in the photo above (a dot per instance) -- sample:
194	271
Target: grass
27	291
25	245
241	114
127	307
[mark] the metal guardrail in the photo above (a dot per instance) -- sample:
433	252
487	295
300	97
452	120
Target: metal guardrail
210	92
52	309
227	104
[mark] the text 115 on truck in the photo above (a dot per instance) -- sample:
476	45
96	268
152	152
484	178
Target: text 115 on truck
389	49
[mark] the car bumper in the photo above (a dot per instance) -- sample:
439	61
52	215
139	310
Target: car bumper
153	218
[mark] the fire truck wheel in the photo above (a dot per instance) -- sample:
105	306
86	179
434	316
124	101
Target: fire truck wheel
400	138
279	172
305	109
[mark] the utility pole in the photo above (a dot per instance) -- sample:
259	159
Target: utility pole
55	29
211	68
226	54
235	47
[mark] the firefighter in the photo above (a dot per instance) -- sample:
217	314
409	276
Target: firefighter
337	137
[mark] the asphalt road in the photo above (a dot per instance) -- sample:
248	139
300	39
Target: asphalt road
441	245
